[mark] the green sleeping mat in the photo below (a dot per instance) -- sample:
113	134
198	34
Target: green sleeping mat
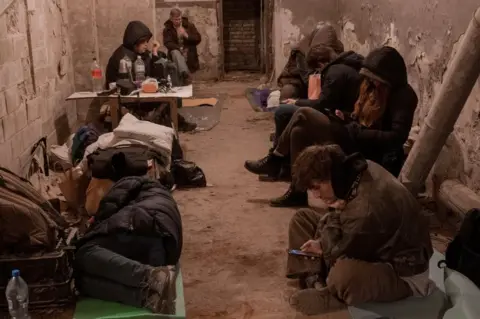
88	308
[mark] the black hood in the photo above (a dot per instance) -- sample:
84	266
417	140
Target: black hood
388	64
135	31
349	58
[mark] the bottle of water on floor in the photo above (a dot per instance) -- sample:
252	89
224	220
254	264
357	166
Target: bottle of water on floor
97	77
139	69
17	296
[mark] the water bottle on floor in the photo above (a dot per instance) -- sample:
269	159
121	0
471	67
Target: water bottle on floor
97	77
17	296
139	69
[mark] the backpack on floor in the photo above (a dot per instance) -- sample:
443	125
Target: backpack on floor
33	239
28	222
463	252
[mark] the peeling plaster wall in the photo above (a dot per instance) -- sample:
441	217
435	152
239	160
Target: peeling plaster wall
36	76
292	20
427	34
204	16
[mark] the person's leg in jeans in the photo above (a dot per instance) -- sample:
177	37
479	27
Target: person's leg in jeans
116	270
179	59
282	117
353	282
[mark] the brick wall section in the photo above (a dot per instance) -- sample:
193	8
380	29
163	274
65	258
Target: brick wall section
35	78
241	34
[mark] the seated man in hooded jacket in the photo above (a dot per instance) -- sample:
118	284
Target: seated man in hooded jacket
371	245
135	43
128	254
293	81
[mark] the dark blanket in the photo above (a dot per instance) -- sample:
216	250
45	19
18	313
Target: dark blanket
143	207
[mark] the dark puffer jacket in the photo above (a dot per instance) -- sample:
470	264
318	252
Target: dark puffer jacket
135	31
392	130
170	40
340	84
140	206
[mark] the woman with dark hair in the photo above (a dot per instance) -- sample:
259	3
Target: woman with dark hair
378	126
372	244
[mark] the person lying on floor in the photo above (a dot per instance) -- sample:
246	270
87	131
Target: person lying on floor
378	127
135	43
372	244
135	235
340	83
293	81
181	37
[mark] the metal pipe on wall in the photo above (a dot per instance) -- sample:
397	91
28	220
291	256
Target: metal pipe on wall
458	82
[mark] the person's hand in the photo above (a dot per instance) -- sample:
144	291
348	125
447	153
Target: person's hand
155	47
290	101
182	32
312	246
340	114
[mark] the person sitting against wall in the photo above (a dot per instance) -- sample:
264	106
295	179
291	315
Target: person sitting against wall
378	127
293	81
181	37
372	243
135	43
339	86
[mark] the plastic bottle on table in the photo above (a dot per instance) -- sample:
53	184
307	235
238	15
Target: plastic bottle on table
17	296
169	81
97	76
125	68
139	69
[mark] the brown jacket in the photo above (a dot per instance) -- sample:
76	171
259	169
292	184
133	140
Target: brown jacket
293	72
170	41
383	223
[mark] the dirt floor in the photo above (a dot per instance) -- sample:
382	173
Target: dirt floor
235	248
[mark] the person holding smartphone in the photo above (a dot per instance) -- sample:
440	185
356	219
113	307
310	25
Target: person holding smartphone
372	243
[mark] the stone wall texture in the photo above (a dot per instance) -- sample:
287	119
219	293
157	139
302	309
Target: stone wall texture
36	76
427	34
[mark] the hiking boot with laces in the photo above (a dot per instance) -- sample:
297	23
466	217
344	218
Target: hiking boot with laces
269	165
291	198
315	301
161	282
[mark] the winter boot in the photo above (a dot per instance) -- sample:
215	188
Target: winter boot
291	198
269	165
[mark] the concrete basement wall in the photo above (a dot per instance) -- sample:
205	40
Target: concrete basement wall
36	76
427	33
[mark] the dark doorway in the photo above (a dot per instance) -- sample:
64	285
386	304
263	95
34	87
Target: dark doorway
242	35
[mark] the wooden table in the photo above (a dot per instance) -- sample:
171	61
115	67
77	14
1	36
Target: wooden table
170	98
